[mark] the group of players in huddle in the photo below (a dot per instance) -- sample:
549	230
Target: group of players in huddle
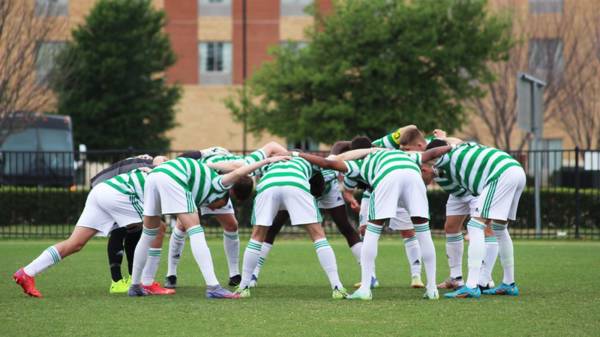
484	184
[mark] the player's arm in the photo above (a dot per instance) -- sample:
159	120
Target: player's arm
233	176
332	163
348	196
435	153
273	148
226	166
356	154
441	134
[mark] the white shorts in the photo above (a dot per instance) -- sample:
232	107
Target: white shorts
163	195
499	199
464	205
106	206
401	221
227	209
333	198
363	216
402	188
301	206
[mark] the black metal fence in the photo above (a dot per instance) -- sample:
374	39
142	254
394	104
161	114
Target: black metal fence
43	193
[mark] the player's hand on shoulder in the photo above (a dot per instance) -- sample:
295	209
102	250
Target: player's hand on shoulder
438	133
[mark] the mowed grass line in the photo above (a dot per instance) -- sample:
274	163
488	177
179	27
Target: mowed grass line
558	280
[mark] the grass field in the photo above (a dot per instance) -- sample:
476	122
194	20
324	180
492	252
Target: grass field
559	282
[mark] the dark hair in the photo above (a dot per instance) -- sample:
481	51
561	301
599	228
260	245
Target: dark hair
242	189
317	185
191	154
436	143
341	146
361	142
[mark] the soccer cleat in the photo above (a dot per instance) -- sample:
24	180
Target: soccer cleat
119	287
339	293
374	283
235	280
487	286
156	289
127	280
253	281
416	282
218	292
243	293
171	282
365	295
464	292
136	290
503	289
27	283
451	283
432	294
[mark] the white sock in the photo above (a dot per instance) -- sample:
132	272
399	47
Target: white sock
506	251
264	252
454	251
176	245
231	243
428	252
327	259
491	253
141	254
476	251
47	259
251	256
368	255
202	255
356	251
413	254
151	267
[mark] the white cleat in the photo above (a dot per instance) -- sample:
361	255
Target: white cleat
431	294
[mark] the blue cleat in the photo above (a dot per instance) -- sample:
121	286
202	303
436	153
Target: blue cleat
464	292
503	289
218	292
137	290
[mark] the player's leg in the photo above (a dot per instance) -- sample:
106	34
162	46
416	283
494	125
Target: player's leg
152	263
454	250
134	232
491	254
231	244
327	259
176	245
278	222
115	251
340	217
402	223
25	276
363	220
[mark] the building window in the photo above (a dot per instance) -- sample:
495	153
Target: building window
546	58
215	62
294	7
545	6
51	7
306	144
293	45
214	7
45	59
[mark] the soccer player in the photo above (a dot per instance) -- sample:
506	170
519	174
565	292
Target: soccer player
176	187
396	179
224	215
497	180
115	201
324	187
285	186
460	205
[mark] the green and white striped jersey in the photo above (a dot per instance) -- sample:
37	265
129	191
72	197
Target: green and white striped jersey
204	183
389	141
251	158
130	183
374	167
295	172
448	185
472	166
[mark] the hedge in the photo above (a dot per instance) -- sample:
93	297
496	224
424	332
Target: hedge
58	206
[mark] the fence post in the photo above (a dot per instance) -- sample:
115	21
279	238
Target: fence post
577	196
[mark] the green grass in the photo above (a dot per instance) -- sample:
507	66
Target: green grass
558	281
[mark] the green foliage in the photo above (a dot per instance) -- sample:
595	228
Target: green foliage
110	78
373	66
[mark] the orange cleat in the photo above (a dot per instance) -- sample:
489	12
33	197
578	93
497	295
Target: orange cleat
156	289
27	283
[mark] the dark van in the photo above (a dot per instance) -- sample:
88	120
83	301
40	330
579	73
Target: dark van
39	154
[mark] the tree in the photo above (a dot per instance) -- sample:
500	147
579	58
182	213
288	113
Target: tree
557	48
110	78
22	29
374	65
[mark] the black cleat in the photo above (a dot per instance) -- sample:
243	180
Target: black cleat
235	280
171	282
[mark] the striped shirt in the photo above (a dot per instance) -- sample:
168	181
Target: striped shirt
389	141
251	158
130	183
204	183
376	166
295	172
472	166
